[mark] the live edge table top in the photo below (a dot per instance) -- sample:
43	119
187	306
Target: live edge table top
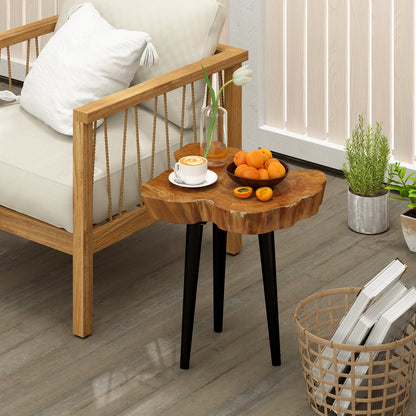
298	196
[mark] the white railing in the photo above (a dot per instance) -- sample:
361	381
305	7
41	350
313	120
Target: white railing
327	61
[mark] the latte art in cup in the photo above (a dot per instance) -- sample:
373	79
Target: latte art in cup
193	161
191	170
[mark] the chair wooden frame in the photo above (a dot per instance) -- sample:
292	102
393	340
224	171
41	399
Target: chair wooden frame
88	238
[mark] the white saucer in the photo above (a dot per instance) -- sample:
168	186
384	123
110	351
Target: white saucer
211	178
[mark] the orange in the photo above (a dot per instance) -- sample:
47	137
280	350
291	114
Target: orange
267	154
250	173
240	158
276	170
264	174
239	169
264	193
243	192
255	159
268	162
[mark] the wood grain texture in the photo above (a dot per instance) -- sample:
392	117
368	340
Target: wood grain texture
338	71
317	69
298	196
83	240
226	57
120	227
382	94
296	66
38	231
359	61
29	31
275	66
404	81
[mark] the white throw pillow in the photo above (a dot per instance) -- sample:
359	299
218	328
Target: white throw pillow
183	32
85	60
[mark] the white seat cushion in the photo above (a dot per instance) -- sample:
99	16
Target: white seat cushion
36	164
182	31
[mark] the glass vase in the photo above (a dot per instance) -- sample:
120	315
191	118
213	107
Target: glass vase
217	132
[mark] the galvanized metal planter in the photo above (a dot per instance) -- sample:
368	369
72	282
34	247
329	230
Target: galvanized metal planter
409	230
368	214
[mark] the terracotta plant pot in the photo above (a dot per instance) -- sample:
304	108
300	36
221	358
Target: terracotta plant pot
368	214
408	221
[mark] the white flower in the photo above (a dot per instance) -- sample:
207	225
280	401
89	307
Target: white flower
242	76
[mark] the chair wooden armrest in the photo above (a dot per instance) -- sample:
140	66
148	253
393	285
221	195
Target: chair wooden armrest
27	32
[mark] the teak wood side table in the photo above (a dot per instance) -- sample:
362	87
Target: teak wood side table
298	196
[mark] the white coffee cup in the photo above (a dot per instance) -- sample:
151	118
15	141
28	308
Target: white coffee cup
191	170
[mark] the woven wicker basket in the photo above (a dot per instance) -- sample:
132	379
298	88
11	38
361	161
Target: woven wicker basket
380	386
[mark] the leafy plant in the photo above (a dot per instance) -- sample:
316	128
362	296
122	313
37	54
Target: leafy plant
367	153
405	185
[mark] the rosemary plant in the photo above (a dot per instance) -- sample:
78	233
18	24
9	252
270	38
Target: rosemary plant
368	154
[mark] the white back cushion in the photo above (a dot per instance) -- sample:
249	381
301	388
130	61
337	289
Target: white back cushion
85	60
182	31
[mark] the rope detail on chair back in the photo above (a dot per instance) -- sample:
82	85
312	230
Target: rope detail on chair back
193	111
123	164
37	46
152	168
221	83
107	162
165	102
27	56
139	164
9	68
182	115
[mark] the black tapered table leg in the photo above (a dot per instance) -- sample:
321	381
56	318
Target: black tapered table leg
192	256
268	266
219	245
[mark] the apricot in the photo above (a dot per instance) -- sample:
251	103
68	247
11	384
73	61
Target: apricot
269	161
276	170
239	169
264	174
267	154
264	193
250	173
240	158
255	159
243	192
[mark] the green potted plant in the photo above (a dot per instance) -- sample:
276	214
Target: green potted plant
405	184
367	153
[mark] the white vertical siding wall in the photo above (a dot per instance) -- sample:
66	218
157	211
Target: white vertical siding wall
341	58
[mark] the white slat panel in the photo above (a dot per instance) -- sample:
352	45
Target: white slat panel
3	15
404	80
381	65
337	71
59	3
317	69
296	66
360	61
225	34
275	63
48	8
16	19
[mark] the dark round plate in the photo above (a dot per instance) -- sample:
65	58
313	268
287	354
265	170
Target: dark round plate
254	183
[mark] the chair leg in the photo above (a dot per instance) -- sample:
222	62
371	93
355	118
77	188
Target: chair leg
82	292
192	257
219	240
268	265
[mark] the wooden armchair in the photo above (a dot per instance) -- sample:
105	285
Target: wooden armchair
89	237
